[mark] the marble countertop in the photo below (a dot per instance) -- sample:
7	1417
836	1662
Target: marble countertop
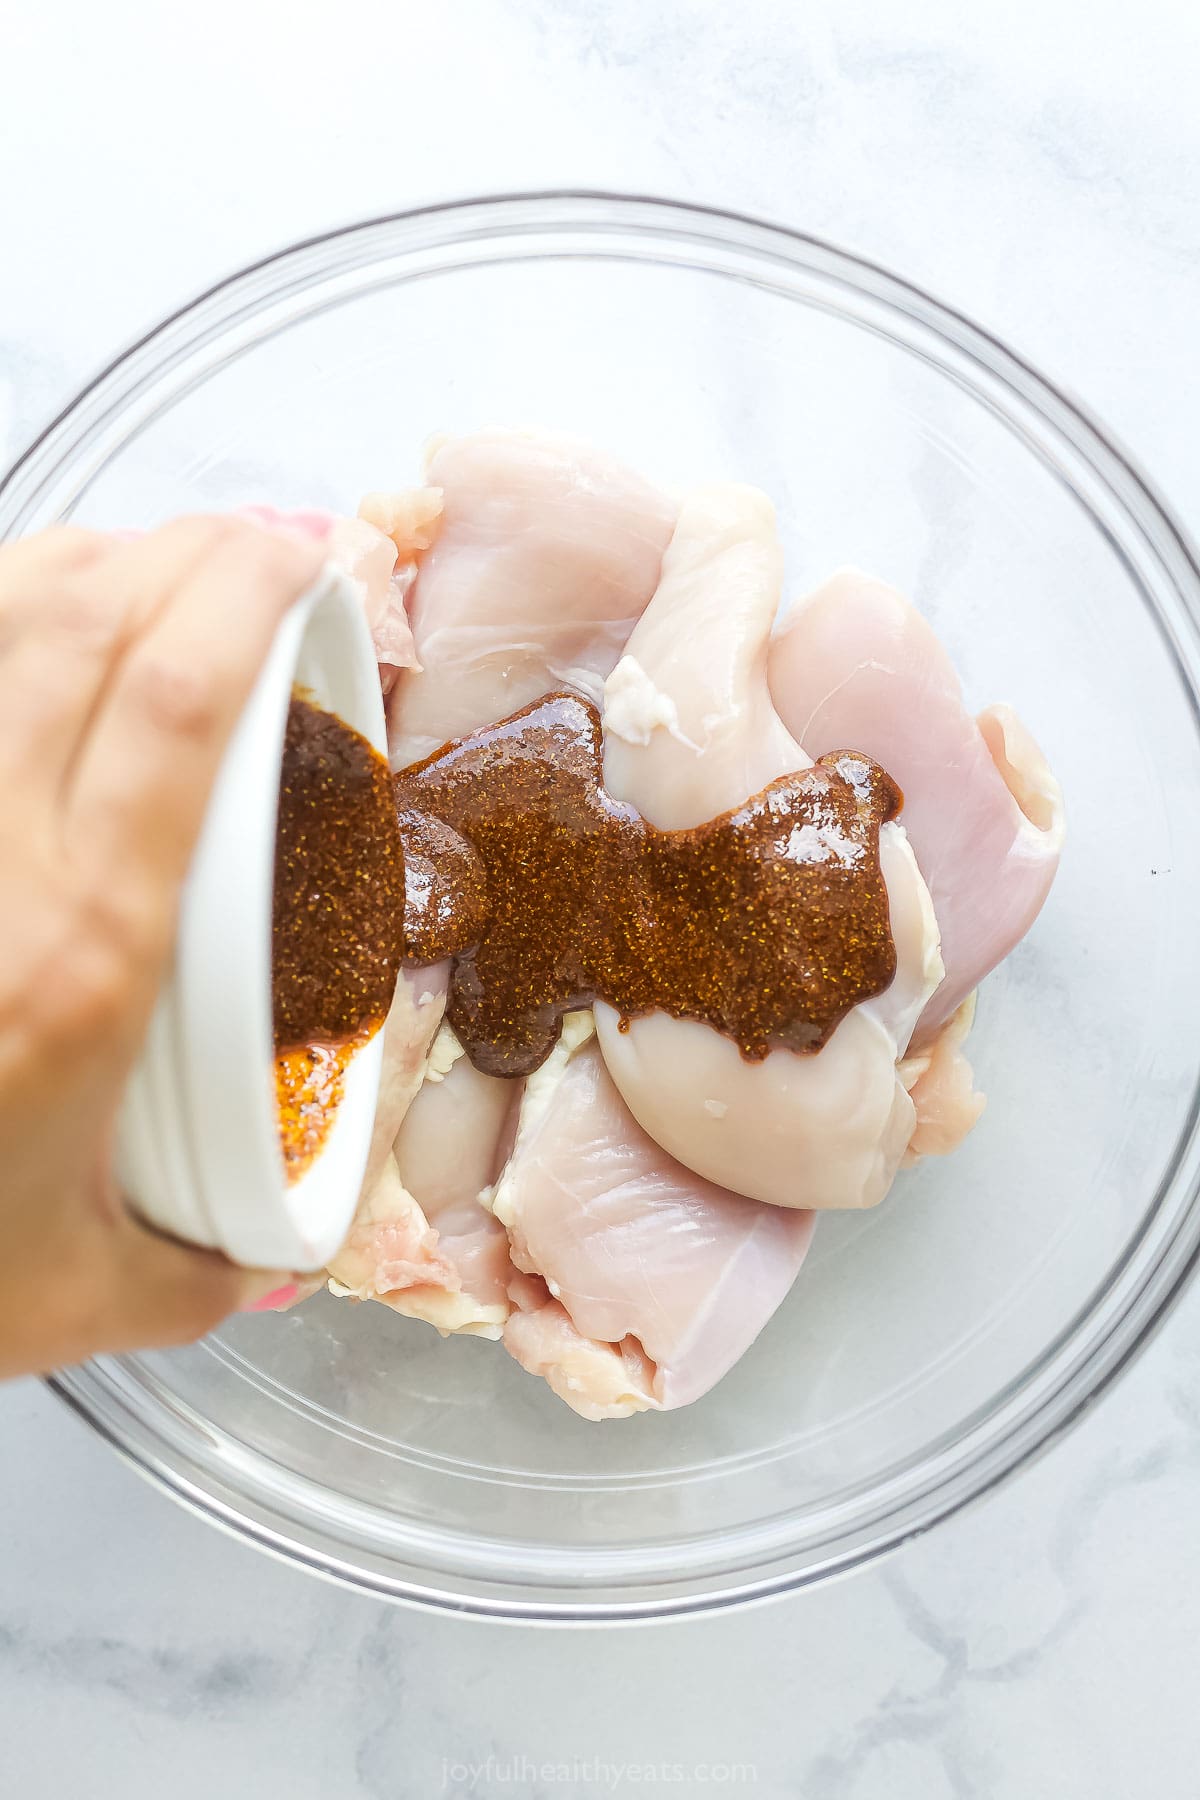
1034	164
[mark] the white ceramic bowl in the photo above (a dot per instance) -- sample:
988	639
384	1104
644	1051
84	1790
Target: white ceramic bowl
197	1148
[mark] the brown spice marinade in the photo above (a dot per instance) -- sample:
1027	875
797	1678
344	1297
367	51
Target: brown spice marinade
769	923
338	917
310	1081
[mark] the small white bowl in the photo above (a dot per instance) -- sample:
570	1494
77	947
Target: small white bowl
197	1145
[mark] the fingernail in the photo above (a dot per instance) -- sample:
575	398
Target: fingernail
278	1297
300	527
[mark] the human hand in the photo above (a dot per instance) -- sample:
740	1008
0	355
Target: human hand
123	669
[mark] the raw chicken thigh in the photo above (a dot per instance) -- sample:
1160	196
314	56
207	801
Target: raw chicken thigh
378	561
408	1031
563	546
941	1087
548	551
627	1218
451	1149
855	664
654	1282
423	1243
824	1130
588	1198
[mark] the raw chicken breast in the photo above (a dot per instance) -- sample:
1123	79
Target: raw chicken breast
547	553
655	1282
823	1130
856	667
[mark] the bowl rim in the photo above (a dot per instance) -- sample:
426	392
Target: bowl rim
1144	1282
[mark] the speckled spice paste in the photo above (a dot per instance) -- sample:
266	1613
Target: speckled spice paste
338	918
769	923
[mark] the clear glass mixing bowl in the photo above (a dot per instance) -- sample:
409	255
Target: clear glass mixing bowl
928	1347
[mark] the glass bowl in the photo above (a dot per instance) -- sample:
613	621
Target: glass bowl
928	1347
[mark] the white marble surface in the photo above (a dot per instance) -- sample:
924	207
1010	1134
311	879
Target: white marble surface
1036	163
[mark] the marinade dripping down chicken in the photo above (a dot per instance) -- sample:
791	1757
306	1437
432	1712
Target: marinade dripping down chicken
768	923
